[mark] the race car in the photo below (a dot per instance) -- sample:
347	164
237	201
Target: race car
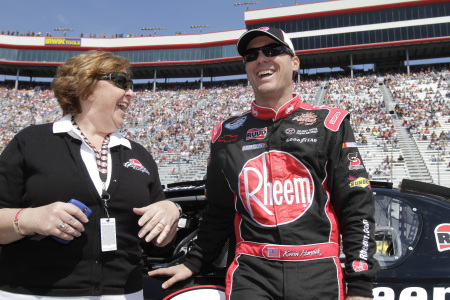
412	235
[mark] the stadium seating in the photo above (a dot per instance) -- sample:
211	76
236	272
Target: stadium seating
393	115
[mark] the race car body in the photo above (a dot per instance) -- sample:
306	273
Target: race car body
412	236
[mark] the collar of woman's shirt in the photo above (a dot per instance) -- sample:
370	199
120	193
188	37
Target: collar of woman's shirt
65	125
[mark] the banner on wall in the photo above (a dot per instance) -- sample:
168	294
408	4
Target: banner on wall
62	42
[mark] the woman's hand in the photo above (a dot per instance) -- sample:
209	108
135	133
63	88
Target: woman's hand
159	220
176	273
58	219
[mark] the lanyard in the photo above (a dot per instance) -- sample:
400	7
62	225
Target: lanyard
102	164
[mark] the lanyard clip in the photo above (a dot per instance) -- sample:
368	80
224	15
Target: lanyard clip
105	199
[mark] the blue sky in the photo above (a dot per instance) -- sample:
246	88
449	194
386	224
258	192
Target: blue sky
127	16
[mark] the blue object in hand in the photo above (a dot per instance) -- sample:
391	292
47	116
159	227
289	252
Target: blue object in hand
83	208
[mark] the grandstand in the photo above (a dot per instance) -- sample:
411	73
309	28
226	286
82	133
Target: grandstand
397	111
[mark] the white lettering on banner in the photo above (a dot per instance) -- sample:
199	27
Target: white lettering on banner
263	189
410	293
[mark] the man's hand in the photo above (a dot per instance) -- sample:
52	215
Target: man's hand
176	273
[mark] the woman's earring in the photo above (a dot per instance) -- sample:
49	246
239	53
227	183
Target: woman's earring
91	98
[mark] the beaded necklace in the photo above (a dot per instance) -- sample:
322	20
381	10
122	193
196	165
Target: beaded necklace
102	162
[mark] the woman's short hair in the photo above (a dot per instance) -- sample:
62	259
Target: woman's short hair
77	77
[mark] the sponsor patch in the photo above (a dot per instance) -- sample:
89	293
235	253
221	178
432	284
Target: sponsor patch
254	112
442	234
136	165
290	131
227	138
256	134
301	131
334	118
359	182
302	140
363	253
306	118
290	109
235	123
275	195
359	266
349	145
254	147
355	162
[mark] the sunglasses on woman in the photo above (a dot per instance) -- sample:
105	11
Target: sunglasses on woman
121	80
269	50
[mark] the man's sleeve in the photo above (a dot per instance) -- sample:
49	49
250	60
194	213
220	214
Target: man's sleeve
352	199
216	225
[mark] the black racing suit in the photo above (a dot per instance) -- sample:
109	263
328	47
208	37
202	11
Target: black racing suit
291	183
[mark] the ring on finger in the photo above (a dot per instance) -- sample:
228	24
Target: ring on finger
63	224
164	225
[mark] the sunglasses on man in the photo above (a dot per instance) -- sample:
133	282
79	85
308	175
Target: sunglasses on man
120	79
269	50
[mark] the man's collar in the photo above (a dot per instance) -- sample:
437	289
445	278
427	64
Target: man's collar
266	113
65	125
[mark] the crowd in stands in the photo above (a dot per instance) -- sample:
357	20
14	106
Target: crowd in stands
24	107
90	35
18	33
423	102
174	123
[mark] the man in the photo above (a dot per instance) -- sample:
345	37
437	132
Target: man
288	176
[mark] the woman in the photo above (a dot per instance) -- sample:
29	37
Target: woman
81	156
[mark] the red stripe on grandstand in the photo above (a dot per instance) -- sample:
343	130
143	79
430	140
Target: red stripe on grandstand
30	63
122	48
187	62
408	42
341	11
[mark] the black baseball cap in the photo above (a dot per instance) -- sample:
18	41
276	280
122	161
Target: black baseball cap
272	32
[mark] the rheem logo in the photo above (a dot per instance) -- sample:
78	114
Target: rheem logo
442	234
275	188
